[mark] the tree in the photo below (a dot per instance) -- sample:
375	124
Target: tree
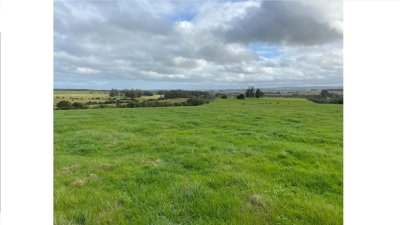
195	101
224	97
132	93
78	105
147	93
250	92
324	93
64	105
185	94
259	93
114	92
241	96
126	93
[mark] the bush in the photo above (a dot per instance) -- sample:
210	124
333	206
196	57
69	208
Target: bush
195	101
78	105
64	105
147	93
132	93
185	94
177	104
102	106
328	100
224	97
241	96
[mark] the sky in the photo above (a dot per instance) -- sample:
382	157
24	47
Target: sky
177	44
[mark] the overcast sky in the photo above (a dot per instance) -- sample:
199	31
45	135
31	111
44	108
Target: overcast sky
197	44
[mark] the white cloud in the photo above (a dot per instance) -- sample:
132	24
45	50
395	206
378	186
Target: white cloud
196	44
85	70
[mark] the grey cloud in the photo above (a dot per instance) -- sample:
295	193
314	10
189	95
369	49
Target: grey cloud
282	22
119	44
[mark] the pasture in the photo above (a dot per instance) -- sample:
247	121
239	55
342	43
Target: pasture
80	96
253	161
97	96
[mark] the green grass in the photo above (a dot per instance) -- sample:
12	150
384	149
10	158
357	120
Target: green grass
266	161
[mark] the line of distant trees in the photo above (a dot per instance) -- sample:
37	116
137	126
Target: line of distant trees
251	92
171	94
132	93
167	94
327	97
129	100
66	105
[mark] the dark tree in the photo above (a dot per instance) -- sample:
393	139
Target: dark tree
185	94
250	92
138	93
64	105
259	93
195	101
114	92
132	93
324	93
241	96
224	97
78	105
147	93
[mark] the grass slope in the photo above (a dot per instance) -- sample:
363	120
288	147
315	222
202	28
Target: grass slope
266	161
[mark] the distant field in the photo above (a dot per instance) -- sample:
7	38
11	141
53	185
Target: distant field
86	96
83	96
266	161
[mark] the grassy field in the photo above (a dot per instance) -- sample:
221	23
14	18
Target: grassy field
80	96
266	161
85	96
96	96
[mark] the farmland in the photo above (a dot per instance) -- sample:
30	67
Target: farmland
252	161
93	96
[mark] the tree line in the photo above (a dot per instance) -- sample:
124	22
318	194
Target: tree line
251	92
327	97
66	105
132	93
130	99
171	94
167	94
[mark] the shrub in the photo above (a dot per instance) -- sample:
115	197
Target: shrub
241	96
195	101
185	94
64	105
78	105
132	93
224	97
101	106
177	104
147	93
329	100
